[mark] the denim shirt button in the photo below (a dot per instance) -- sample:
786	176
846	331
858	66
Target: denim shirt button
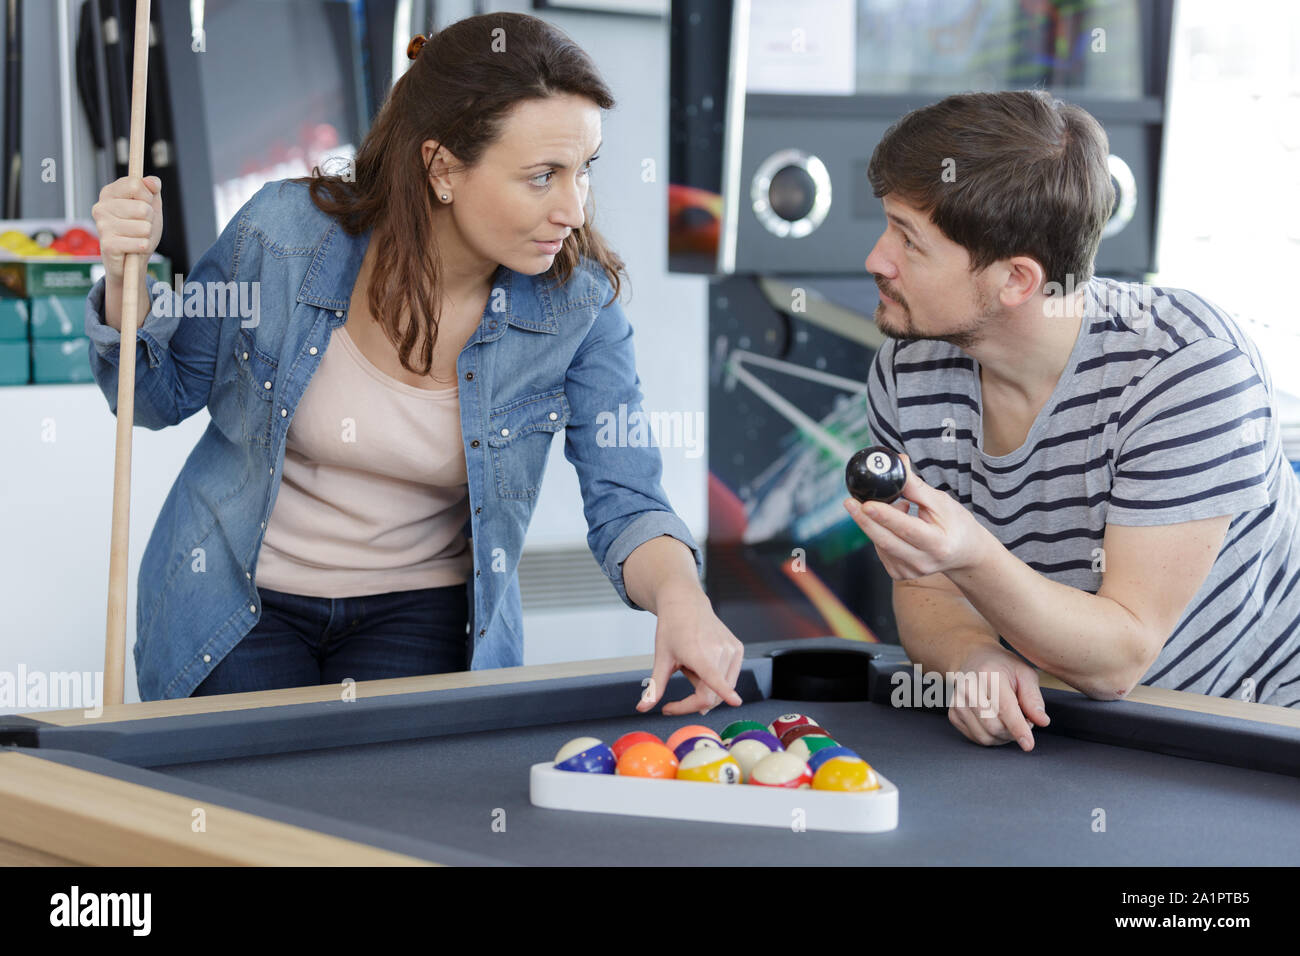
245	356
478	510
207	658
253	608
247	575
266	385
505	433
312	350
339	314
474	443
284	413
469	376
482	631
478	574
553	416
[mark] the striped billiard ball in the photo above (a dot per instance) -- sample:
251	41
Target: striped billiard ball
585	755
809	744
709	765
690	730
783	723
781	769
695	743
734	729
802	730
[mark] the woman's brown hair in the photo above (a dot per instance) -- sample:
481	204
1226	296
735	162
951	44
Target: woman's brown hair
464	82
1014	173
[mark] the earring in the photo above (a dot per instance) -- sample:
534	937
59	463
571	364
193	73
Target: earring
444	197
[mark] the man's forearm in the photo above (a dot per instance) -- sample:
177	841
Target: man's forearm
938	628
1090	642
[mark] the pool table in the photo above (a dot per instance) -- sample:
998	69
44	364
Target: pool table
435	770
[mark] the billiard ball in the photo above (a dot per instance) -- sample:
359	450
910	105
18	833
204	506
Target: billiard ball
762	736
627	740
809	744
748	753
695	743
709	765
690	730
574	747
875	474
781	769
733	730
647	759
786	721
828	753
594	757
803	730
845	773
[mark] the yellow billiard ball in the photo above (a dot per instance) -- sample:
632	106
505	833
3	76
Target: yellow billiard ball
845	773
709	765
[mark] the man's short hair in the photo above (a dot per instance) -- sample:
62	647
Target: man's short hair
1014	173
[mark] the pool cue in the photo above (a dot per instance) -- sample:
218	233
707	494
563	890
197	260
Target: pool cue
133	272
11	200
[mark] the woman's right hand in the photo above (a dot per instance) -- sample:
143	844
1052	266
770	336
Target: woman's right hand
129	219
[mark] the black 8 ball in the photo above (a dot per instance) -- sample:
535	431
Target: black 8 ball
875	474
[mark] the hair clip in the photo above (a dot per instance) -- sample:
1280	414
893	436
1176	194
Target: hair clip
416	45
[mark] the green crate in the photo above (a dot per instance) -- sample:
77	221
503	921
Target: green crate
61	360
13	320
14	369
58	316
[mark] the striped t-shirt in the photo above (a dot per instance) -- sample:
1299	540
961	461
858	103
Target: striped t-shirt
1165	413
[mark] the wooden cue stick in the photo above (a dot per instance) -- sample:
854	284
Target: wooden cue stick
133	273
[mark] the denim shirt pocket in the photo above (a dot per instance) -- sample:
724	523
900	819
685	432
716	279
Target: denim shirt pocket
520	435
257	372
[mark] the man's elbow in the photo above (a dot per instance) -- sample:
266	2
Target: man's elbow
1116	683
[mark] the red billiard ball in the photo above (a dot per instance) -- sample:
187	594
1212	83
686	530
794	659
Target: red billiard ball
803	730
781	769
786	721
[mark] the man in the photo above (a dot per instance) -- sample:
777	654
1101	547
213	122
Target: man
1096	471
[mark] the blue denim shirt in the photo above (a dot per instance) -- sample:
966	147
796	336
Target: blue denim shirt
542	359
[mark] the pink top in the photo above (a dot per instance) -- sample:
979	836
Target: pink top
374	494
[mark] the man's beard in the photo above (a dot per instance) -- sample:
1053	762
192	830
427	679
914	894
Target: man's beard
965	338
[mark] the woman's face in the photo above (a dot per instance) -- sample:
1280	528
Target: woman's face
526	194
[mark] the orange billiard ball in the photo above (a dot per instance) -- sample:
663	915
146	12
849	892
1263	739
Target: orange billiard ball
647	759
635	737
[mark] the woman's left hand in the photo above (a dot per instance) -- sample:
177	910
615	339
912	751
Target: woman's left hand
942	537
690	638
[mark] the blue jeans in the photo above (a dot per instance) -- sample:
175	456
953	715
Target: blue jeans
300	641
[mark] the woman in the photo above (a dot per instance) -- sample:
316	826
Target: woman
419	332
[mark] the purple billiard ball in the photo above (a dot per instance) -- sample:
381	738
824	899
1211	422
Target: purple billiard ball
694	743
770	741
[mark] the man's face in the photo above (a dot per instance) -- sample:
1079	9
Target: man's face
926	288
530	185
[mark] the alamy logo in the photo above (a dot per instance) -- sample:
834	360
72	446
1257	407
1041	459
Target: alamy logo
213	300
75	908
640	429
